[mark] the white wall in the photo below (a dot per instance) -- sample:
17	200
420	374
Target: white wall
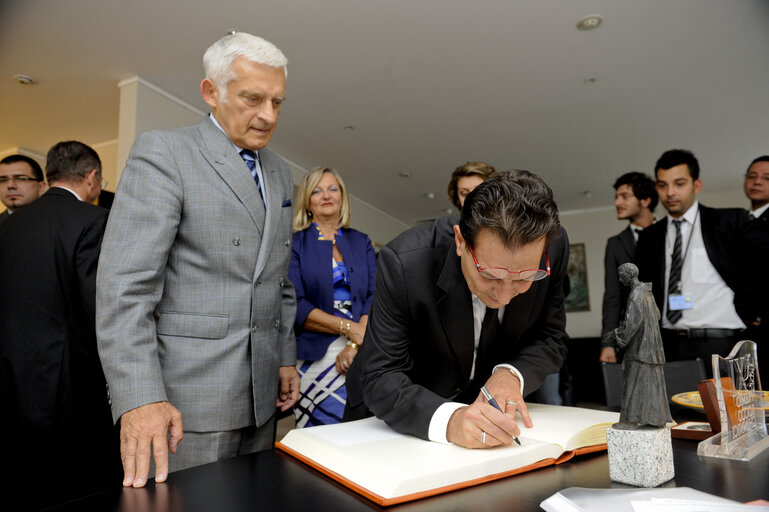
594	227
144	106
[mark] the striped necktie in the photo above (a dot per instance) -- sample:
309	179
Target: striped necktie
250	157
676	265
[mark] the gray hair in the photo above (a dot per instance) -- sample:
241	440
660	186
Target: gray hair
71	161
218	59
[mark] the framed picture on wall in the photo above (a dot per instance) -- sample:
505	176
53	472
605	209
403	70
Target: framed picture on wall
578	298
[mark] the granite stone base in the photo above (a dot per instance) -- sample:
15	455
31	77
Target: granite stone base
643	457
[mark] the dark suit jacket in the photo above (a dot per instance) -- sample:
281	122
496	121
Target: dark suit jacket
724	236
54	398
619	249
418	349
756	305
4	216
311	273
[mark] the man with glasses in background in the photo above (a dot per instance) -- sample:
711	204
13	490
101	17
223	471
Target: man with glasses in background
464	305
21	182
756	308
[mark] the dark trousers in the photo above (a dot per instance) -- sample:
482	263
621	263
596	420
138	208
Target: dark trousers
682	345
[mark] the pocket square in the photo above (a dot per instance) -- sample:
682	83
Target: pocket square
286	203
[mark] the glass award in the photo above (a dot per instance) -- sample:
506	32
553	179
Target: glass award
741	405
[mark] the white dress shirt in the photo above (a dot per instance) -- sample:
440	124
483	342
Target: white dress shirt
712	297
440	420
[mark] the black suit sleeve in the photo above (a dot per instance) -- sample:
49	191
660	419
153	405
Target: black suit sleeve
386	357
612	296
541	348
86	262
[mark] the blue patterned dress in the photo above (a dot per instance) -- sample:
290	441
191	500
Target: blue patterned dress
322	395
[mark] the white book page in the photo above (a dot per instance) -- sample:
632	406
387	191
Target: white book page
557	424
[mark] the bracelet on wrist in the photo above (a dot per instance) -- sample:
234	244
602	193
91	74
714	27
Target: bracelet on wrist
352	344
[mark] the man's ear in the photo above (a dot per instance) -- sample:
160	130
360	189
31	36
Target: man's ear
209	92
697	186
459	240
645	202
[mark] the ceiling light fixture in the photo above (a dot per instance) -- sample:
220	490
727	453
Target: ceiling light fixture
24	79
590	22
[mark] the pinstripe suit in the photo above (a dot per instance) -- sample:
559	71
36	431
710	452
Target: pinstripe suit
194	305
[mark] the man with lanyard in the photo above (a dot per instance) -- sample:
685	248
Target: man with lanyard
690	257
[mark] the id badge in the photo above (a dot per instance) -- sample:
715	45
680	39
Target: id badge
679	302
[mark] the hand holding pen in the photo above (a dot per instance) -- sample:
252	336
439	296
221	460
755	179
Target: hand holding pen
494	403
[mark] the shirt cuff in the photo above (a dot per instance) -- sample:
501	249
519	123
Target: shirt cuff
440	421
513	370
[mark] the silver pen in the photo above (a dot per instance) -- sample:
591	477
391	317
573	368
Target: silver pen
496	406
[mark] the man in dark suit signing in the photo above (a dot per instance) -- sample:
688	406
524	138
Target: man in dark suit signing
461	305
55	417
692	257
635	199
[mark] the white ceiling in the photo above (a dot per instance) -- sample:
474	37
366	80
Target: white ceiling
426	84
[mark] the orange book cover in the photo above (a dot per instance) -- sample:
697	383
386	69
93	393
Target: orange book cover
390	468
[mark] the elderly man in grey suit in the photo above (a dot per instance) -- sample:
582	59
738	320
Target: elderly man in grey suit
194	306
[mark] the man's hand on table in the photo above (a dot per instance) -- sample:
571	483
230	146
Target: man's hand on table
144	431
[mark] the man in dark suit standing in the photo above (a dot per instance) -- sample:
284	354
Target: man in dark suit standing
757	305
21	182
55	418
635	199
691	259
461	305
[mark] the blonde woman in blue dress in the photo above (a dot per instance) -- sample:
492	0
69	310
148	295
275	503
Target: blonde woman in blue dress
333	269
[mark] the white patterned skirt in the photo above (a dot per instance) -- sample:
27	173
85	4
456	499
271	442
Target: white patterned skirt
322	395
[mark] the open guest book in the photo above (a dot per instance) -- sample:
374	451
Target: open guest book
388	468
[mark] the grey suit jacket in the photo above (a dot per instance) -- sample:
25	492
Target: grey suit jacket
194	305
619	249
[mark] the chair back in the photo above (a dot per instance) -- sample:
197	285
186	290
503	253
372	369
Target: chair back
681	376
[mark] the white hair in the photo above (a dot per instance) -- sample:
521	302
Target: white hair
218	59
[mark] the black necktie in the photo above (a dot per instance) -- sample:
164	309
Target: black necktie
674	282
249	157
489	332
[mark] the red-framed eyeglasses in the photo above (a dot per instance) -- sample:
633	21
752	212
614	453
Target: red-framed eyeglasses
498	273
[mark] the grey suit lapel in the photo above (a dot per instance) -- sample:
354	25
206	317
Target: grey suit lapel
273	199
221	154
456	311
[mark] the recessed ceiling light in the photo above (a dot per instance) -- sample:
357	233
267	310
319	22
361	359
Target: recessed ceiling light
590	22
24	79
430	195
